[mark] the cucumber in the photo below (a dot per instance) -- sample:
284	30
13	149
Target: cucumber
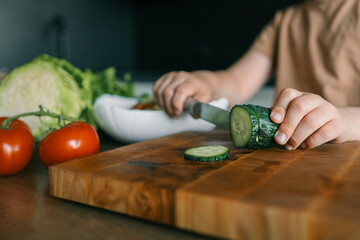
266	125
207	153
251	127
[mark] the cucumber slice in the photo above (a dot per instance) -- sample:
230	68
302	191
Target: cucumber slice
207	153
243	126
246	124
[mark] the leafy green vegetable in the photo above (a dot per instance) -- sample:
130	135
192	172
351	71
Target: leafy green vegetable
60	87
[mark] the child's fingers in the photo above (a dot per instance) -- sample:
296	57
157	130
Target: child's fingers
182	92
296	110
171	90
311	122
323	135
159	87
279	109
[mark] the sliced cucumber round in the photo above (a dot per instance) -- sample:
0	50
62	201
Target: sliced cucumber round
207	153
243	126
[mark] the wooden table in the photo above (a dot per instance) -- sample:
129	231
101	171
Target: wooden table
27	211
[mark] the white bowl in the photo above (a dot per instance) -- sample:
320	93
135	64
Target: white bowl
116	118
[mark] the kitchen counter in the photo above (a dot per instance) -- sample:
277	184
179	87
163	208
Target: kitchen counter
27	211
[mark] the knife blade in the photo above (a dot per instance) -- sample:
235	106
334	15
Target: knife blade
209	113
212	114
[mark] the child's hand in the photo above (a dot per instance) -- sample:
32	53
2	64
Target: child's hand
306	120
172	89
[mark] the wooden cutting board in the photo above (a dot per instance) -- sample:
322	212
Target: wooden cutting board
263	194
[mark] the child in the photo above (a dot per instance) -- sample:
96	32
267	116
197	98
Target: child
314	51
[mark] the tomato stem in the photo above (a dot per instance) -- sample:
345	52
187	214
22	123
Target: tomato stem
6	123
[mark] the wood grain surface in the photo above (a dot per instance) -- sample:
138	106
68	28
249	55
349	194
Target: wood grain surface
255	194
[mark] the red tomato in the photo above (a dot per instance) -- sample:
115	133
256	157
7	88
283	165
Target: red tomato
16	147
76	139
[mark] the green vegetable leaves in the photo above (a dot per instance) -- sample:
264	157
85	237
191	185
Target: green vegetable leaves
60	87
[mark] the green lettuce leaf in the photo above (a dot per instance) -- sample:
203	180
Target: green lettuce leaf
59	87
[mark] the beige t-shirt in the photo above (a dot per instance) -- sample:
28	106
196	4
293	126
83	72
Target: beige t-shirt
315	47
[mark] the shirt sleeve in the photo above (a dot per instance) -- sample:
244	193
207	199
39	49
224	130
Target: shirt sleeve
267	41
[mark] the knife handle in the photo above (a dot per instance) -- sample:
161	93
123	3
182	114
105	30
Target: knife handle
189	102
190	105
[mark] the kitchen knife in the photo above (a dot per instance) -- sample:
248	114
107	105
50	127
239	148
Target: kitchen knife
212	114
209	113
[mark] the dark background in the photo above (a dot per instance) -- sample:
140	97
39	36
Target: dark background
146	38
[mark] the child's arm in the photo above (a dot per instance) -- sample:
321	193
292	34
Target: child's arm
237	83
308	120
